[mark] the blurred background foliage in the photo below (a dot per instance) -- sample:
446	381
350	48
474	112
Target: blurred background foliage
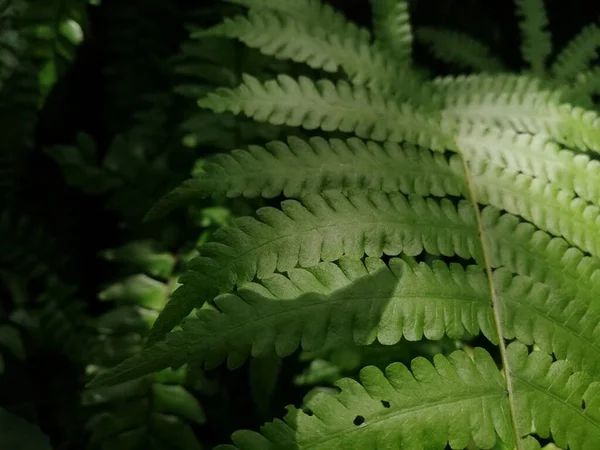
99	120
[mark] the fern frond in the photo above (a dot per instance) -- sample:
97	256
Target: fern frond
508	102
305	234
578	54
286	38
374	224
320	15
329	364
534	253
207	63
353	302
352	417
393	30
331	107
535	156
585	85
361	304
303	167
555	210
385	411
521	104
460	50
536	40
477	85
145	255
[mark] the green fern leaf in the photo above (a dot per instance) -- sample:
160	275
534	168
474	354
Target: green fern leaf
451	392
460	50
588	82
578	54
302	167
319	15
329	106
375	224
295	277
356	418
535	156
392	27
285	38
356	303
537	43
517	103
551	209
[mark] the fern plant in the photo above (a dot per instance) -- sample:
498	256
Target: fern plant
456	206
571	66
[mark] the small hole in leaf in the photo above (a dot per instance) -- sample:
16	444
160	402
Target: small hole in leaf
385	403
308	412
583	404
359	420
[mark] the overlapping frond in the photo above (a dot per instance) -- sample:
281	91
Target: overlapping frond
519	103
432	405
329	226
320	15
331	107
459	49
354	302
391	20
286	37
535	156
576	57
321	228
588	81
312	31
303	167
328	305
551	209
536	40
315	273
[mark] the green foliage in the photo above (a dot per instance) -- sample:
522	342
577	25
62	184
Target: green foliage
502	244
460	49
537	44
415	255
54	28
392	27
153	411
